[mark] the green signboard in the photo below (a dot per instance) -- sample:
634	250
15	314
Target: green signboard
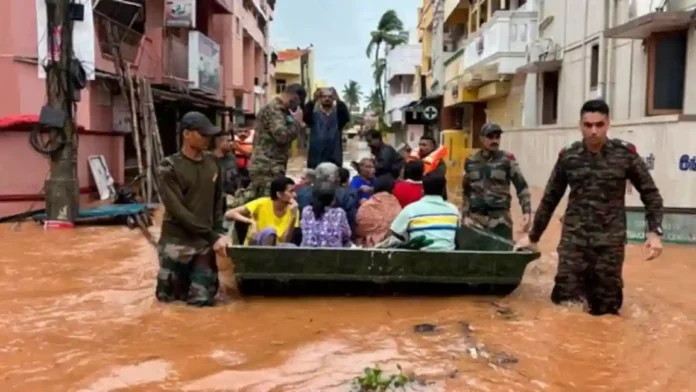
678	228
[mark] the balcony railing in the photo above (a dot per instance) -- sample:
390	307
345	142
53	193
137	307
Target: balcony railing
176	57
110	32
503	41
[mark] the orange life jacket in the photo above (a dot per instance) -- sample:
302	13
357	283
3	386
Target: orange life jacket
432	160
243	150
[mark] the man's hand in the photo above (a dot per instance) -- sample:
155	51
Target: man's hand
253	229
526	222
524	243
468	221
221	245
297	115
366	189
653	243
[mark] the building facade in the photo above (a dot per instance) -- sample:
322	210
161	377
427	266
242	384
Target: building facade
400	69
210	56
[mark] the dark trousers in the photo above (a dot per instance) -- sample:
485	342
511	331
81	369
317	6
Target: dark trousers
592	274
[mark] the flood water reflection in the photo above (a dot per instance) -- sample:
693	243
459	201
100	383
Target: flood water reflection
79	314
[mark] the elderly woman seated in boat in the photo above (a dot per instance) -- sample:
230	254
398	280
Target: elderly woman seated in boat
364	182
376	215
273	219
327	174
324	225
430	223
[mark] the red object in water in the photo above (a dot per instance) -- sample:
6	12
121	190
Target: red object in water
56	224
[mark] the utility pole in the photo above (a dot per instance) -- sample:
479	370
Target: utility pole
62	187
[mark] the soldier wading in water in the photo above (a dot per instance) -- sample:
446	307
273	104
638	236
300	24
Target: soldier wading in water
592	246
487	178
191	189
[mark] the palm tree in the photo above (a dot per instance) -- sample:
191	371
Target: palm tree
352	95
390	32
374	102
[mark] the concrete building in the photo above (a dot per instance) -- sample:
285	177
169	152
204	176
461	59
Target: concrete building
640	56
207	55
293	66
401	66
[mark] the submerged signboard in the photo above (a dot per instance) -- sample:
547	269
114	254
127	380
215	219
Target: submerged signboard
678	228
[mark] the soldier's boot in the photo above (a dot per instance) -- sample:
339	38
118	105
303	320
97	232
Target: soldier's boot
204	281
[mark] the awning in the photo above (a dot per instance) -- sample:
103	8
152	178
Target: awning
540	66
655	22
410	104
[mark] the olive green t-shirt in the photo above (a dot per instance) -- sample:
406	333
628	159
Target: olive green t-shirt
191	192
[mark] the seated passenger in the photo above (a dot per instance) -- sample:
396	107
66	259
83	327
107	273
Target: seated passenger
376	215
271	219
430	217
328	174
362	183
323	224
344	177
410	189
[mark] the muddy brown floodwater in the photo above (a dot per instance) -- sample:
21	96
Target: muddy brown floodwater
77	313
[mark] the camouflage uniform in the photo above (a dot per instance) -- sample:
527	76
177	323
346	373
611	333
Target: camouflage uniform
591	251
274	134
191	193
487	198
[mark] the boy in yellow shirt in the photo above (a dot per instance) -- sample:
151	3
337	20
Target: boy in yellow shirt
271	219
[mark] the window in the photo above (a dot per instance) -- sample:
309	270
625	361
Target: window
666	73
594	66
549	104
120	22
280	86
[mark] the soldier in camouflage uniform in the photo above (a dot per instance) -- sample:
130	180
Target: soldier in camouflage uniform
487	178
191	190
277	126
591	250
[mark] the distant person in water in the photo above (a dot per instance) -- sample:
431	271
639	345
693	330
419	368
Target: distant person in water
191	185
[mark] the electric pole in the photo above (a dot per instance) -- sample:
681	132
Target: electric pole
62	188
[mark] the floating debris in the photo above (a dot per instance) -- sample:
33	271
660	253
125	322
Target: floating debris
424	328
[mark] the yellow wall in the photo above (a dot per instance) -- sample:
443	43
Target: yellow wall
506	111
288	67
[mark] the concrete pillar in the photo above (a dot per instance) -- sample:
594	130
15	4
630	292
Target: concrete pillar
531	101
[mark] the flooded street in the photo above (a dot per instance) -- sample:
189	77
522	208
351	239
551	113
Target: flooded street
79	314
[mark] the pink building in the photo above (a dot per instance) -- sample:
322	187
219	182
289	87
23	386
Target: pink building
206	55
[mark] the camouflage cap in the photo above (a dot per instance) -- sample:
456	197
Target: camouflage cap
197	121
490	128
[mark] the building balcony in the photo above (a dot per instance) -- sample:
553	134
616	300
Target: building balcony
456	12
253	27
425	15
396	101
500	46
402	60
453	65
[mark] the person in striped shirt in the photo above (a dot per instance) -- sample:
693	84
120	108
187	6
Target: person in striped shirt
431	216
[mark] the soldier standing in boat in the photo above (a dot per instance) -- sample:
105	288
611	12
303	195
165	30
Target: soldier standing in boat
190	184
592	247
277	126
487	178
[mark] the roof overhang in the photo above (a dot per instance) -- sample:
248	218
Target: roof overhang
222	7
540	67
655	22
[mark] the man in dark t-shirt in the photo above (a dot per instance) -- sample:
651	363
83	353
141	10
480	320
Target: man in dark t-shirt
191	191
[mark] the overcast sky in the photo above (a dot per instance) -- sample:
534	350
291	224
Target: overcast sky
340	32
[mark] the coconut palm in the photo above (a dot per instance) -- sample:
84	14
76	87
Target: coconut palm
352	95
390	33
374	102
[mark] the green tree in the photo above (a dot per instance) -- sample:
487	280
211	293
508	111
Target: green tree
389	33
374	102
352	95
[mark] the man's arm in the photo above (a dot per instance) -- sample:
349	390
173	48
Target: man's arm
220	197
282	131
466	192
521	187
553	193
172	198
308	113
343	115
640	177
